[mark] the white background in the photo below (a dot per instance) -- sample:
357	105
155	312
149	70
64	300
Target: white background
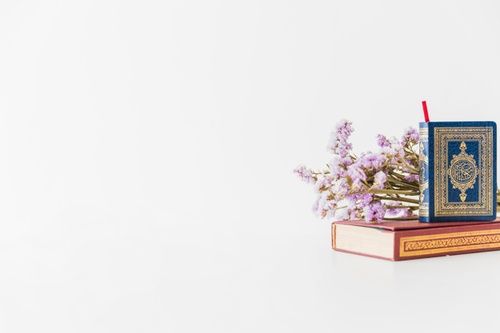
147	149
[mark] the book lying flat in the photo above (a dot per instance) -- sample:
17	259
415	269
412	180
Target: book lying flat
403	240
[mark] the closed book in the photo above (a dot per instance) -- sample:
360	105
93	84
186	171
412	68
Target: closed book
403	240
458	171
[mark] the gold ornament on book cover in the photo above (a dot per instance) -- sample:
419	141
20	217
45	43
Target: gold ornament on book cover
463	171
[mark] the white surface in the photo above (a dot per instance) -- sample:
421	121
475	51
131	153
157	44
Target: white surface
147	151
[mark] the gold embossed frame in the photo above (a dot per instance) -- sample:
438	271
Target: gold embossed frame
449	243
483	206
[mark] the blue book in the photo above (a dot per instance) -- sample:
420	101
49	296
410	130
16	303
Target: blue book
458	171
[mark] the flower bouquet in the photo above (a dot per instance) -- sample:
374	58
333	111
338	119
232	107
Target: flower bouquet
369	186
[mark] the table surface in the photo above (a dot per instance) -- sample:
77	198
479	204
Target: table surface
147	151
294	282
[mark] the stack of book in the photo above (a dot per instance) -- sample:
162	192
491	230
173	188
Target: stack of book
458	200
402	240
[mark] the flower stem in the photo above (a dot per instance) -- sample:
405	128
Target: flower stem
412	207
401	192
401	218
415	201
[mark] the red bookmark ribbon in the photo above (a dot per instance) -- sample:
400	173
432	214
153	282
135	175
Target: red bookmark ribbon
426	113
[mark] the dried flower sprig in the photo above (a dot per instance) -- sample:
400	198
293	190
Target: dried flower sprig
371	186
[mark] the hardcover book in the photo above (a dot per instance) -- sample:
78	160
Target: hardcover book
457	171
403	240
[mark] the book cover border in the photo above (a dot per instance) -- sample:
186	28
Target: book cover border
484	205
439	211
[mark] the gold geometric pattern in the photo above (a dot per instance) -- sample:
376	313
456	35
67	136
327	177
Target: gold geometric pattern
450	242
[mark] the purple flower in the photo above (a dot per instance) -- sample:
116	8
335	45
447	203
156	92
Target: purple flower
346	161
412	178
399	212
323	183
335	168
379	180
344	129
410	135
351	210
359	200
356	214
350	201
323	207
374	212
372	161
340	188
357	176
364	199
304	174
344	209
339	144
382	141
394	154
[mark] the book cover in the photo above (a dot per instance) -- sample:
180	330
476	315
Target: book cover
403	240
457	171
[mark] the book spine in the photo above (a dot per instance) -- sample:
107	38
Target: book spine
424	173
